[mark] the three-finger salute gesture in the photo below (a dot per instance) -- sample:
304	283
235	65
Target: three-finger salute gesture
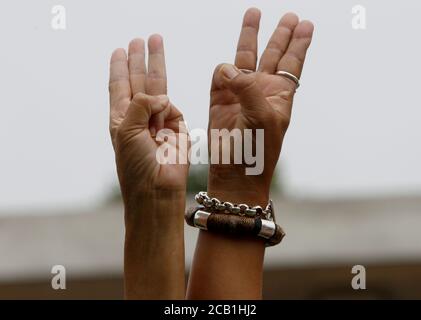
258	95
139	109
153	191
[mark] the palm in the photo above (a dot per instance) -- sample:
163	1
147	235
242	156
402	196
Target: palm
225	109
147	168
139	111
251	94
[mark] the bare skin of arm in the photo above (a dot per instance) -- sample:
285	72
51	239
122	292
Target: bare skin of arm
153	193
154	246
226	267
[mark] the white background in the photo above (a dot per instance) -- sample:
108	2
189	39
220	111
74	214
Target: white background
355	128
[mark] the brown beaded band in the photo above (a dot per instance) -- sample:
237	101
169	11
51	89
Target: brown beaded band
200	217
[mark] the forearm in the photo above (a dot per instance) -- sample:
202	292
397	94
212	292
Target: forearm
228	267
154	246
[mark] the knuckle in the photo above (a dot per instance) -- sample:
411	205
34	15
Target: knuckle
217	73
219	67
140	98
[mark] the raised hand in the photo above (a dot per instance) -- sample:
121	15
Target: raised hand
227	267
246	96
139	109
153	192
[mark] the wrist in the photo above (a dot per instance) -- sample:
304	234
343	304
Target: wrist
251	198
227	185
154	245
165	207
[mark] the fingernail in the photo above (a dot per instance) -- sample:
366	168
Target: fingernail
230	71
152	130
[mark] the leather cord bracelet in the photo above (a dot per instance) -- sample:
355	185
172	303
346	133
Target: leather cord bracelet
213	219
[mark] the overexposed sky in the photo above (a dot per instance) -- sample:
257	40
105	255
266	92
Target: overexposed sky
355	128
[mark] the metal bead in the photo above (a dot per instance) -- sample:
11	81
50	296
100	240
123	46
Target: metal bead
203	193
266	214
251	212
208	203
220	206
235	210
268	210
228	205
198	199
258	209
243	207
215	201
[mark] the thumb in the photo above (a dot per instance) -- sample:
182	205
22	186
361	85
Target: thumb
251	97
142	108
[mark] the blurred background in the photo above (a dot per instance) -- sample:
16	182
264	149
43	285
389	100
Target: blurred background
348	185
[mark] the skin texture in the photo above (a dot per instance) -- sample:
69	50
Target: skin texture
153	193
231	268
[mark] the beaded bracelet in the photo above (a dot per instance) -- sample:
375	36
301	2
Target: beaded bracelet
216	219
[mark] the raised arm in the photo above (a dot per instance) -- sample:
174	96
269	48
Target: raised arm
153	192
229	267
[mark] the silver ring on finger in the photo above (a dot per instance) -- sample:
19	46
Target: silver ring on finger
289	76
